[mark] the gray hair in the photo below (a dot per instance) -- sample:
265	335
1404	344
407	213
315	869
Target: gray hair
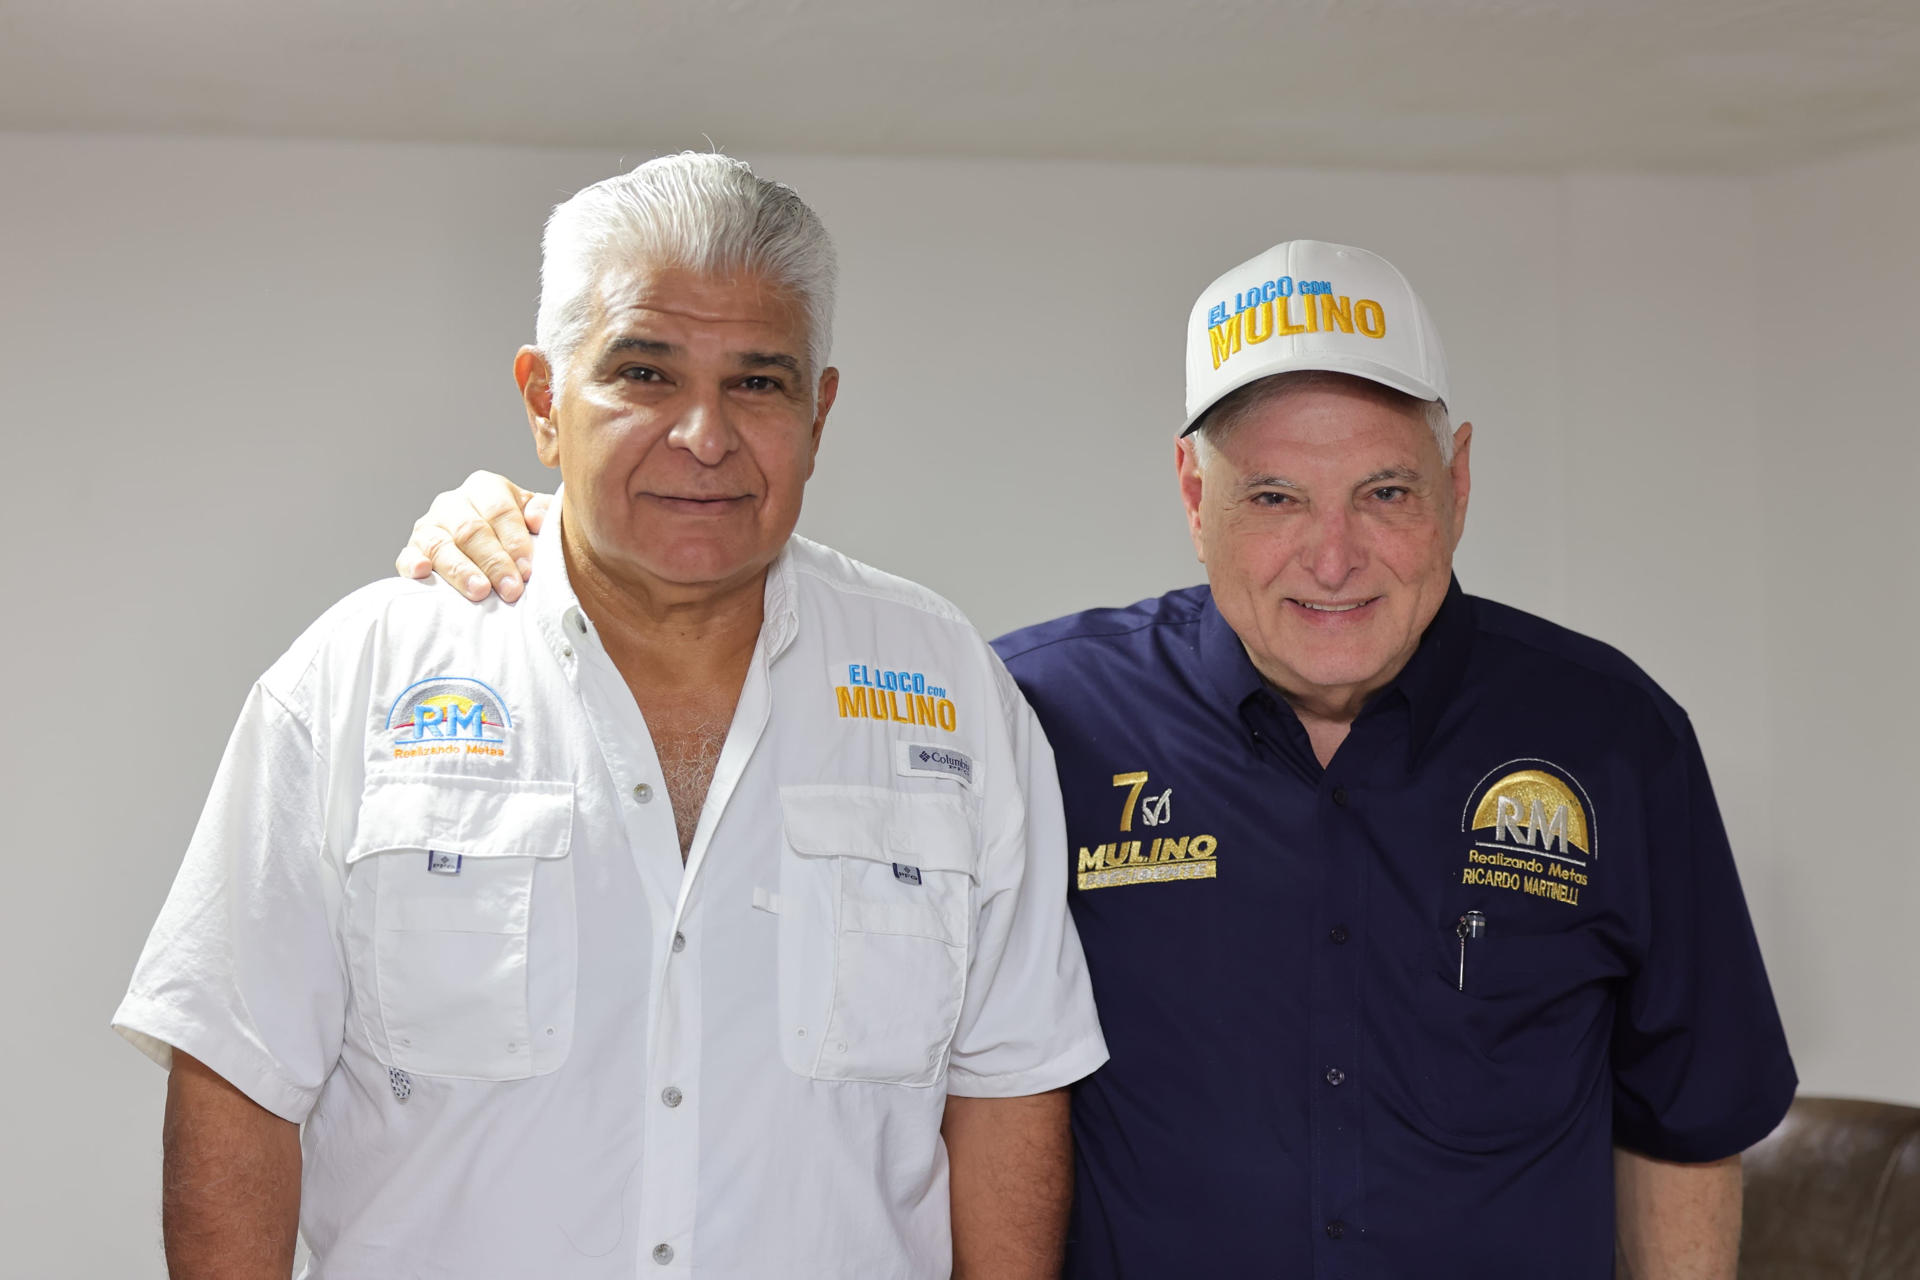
705	213
1237	406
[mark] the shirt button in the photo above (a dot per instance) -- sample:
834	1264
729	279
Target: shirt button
679	942
671	1096
1335	1230
663	1254
1336	1077
1340	796
566	651
1338	933
642	792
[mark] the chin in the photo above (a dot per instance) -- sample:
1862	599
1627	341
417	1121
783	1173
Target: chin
1339	670
689	566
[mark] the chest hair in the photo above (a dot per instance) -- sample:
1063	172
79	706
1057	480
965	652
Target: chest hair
688	743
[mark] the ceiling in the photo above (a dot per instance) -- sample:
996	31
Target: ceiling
1716	85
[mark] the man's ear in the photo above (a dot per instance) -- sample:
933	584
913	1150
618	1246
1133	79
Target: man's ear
1462	477
534	376
822	405
1186	465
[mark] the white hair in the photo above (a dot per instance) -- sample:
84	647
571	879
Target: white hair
1237	406
705	213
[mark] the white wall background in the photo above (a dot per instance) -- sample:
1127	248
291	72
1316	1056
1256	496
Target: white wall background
1837	273
236	370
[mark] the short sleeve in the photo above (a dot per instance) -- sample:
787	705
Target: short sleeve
1700	1063
1028	1023
243	969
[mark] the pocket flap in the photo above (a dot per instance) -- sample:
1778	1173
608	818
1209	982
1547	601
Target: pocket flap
931	832
474	817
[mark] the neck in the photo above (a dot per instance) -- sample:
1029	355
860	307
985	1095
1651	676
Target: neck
1326	727
668	635
1327	714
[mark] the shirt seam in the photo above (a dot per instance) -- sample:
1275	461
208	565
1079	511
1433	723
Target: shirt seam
1634	679
935	607
1149	625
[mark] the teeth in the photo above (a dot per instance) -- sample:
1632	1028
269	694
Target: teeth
1331	608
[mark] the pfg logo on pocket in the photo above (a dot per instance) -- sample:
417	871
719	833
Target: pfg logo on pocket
905	874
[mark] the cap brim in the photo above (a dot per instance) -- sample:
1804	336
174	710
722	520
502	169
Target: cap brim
1320	362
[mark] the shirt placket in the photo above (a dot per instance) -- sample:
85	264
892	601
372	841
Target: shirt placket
1334	995
665	1192
1334	1012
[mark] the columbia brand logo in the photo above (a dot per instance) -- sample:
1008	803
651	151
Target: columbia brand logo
941	761
906	874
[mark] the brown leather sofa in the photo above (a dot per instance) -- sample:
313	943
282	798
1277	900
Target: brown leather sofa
1834	1194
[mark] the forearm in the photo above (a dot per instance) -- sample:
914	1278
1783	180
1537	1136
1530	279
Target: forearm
1010	1163
1677	1221
230	1192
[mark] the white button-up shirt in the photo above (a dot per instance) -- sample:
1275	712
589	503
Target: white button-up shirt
435	909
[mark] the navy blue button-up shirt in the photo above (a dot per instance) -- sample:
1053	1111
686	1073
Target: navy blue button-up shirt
1313	1072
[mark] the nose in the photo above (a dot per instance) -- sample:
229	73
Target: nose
1334	549
705	430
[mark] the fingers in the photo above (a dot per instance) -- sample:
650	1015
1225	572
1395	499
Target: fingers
411	564
441	548
497	500
535	511
478	537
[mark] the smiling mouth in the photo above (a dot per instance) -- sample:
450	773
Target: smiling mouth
1334	607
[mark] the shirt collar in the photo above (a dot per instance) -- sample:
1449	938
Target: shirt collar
1433	675
1427	683
1225	660
555	609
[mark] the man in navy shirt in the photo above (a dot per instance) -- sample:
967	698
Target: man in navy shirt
1413	926
1404	910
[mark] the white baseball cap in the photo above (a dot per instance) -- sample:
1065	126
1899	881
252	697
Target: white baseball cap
1307	304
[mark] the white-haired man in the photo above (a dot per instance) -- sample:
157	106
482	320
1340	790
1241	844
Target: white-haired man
704	912
1416	935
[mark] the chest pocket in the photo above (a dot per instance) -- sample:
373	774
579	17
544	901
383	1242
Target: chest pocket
1523	1047
461	931
876	911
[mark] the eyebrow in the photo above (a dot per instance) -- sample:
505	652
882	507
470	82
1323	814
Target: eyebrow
1263	481
647	346
745	360
769	359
